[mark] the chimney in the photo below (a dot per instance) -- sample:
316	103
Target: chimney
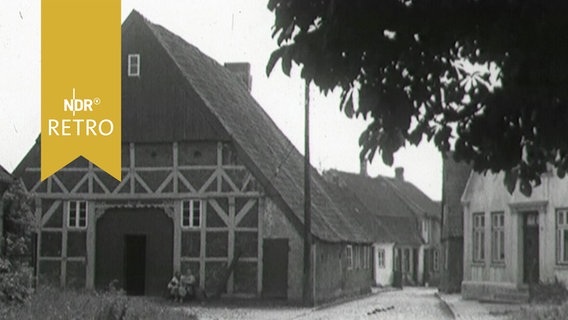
242	71
399	173
363	168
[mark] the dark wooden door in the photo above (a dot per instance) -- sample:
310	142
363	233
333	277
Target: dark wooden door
531	250
135	264
275	268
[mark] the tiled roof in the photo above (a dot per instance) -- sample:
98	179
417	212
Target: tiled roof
266	150
416	198
382	199
351	205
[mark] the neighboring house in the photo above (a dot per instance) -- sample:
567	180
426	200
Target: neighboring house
512	241
407	225
208	179
6	180
454	179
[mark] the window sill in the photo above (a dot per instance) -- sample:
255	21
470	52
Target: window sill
478	264
499	265
561	266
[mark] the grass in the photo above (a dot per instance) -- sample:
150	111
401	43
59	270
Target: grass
52	303
543	312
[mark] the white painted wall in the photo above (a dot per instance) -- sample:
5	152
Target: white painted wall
488	194
384	276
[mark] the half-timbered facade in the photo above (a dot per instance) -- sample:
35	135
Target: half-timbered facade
208	182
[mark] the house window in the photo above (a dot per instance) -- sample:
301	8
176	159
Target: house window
381	258
425	230
365	257
562	236
349	252
77	214
134	65
498	237
191	212
478	237
435	260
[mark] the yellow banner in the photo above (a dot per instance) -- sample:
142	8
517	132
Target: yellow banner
80	84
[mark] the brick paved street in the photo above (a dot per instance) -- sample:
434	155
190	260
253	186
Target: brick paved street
410	303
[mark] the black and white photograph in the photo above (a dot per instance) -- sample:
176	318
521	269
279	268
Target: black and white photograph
297	159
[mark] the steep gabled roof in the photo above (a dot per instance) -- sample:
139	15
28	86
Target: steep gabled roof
5	180
414	197
368	222
382	199
5	176
265	149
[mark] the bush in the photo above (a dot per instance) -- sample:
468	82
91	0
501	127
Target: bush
53	303
15	244
554	292
543	312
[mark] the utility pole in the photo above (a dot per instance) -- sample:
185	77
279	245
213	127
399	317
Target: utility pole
307	202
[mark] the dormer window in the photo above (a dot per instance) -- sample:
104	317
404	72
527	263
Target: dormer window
134	65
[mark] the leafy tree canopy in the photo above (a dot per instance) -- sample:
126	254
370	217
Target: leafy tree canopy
486	79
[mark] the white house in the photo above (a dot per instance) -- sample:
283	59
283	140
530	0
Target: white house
512	241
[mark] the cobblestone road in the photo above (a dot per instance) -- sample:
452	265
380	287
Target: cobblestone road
410	303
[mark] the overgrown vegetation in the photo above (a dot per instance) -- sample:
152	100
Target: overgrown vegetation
52	303
543	312
554	292
548	301
15	246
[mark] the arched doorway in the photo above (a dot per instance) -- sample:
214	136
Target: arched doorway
134	247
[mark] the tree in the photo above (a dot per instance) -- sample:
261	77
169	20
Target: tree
15	245
486	78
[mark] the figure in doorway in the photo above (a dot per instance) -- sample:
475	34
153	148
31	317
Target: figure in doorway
187	285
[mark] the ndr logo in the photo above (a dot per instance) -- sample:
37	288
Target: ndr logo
79	126
75	104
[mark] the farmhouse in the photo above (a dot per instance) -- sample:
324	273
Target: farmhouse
208	181
406	224
512	241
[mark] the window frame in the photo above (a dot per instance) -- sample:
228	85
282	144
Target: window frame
435	260
190	205
498	237
349	256
132	64
381	258
76	204
478	237
561	230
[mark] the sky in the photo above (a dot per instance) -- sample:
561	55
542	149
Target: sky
227	31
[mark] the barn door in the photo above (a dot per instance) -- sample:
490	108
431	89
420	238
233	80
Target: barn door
530	245
275	268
